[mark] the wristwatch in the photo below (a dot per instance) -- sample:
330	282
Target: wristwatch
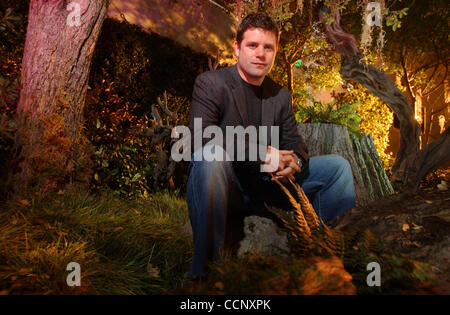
299	162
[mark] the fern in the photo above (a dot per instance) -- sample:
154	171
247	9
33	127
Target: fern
344	115
310	234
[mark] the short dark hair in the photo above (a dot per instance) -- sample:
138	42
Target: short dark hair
256	20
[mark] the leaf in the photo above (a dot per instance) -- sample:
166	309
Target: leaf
405	227
444	215
442	186
24	271
136	177
24	202
152	271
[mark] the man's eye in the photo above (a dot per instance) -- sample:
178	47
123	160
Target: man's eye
269	48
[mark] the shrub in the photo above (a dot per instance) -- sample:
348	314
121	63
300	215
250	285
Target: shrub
331	113
376	119
130	69
12	38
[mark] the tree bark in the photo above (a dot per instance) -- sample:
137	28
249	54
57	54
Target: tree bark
371	181
381	85
55	72
428	159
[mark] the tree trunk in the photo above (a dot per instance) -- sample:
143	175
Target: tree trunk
55	72
428	159
371	182
381	85
290	73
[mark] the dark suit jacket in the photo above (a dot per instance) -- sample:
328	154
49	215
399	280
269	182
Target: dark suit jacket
219	99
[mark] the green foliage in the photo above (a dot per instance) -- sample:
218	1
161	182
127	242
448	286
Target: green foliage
376	119
319	68
125	168
125	157
393	18
344	114
123	247
130	69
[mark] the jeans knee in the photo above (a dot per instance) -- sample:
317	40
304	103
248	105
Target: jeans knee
340	164
211	160
210	153
211	168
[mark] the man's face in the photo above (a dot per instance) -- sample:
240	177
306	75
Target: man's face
256	54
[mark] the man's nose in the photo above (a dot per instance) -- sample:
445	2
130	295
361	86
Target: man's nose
260	52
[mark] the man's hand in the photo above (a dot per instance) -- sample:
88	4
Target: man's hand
290	167
282	163
274	158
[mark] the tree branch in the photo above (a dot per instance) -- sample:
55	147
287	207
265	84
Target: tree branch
380	85
405	76
430	157
438	85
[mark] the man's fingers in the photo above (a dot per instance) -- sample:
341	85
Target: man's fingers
295	167
290	162
285	172
286	152
282	178
286	158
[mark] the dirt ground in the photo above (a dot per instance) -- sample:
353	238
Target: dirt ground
416	225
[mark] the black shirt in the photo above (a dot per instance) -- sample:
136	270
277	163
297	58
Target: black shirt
250	176
253	97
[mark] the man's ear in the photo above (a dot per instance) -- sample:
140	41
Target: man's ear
236	48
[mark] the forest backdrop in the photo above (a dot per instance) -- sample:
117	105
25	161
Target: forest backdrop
86	114
114	150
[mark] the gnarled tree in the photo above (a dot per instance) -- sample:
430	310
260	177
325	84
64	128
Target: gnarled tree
411	164
55	69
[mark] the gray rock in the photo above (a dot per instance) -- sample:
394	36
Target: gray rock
263	236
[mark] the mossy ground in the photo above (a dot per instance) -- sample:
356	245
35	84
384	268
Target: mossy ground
137	247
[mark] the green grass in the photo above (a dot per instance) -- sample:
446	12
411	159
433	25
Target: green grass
122	246
137	247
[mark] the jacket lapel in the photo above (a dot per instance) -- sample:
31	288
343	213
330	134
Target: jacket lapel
268	111
238	95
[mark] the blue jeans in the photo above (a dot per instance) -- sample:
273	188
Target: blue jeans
214	195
